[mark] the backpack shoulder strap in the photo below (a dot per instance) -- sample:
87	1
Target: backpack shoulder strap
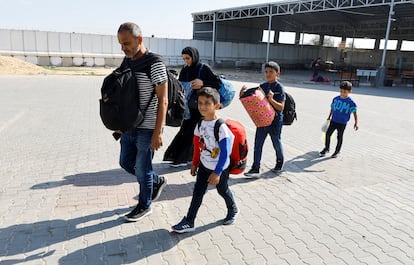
144	64
217	125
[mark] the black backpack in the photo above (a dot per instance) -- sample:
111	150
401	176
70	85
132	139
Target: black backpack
289	111
119	105
176	100
176	96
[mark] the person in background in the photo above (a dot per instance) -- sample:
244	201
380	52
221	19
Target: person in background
316	64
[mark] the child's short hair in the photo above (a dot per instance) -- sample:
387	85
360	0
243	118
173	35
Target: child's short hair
210	93
346	85
274	65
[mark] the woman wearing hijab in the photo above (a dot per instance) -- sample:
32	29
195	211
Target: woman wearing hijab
194	75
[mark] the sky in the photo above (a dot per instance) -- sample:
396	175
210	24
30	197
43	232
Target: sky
163	19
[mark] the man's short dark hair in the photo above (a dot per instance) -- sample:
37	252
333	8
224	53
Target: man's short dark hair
273	65
346	85
209	92
130	27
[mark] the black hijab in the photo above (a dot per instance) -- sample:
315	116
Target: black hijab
189	73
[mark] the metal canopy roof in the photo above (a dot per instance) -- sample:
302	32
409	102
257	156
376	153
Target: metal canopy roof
347	18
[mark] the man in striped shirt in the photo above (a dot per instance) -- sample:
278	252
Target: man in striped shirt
138	145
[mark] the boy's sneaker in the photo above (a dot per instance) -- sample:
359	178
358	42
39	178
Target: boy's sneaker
323	152
278	167
253	172
231	217
183	226
158	187
137	214
178	164
335	155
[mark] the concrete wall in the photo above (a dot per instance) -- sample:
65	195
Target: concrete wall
66	49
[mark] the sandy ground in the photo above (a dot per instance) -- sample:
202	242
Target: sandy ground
14	66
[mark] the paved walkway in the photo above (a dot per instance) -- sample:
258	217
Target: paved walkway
62	194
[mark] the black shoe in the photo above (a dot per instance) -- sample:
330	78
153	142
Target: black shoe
183	226
323	152
178	164
335	155
253	172
231	217
158	187
278	167
137	214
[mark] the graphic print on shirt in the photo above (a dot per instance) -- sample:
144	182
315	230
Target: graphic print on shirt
342	109
203	146
343	106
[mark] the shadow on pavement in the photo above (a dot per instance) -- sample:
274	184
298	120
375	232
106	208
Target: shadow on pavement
103	178
23	238
302	162
132	249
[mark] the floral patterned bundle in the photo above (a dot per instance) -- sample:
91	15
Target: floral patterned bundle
258	107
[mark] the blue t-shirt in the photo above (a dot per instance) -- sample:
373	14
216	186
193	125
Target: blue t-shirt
342	109
277	89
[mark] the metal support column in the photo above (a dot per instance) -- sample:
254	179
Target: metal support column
213	42
382	69
269	28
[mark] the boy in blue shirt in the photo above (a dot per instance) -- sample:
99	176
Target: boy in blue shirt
275	93
211	160
341	108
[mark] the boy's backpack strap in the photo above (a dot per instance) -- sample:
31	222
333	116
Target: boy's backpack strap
217	125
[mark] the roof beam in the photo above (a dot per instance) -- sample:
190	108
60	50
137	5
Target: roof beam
288	8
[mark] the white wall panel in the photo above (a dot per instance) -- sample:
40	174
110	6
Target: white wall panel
64	42
96	43
87	43
76	42
116	47
16	40
162	46
29	41
107	44
5	41
41	41
152	44
53	41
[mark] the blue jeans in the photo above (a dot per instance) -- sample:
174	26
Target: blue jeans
200	188
275	131
136	158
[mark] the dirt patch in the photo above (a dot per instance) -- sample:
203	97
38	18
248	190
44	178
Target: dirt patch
14	66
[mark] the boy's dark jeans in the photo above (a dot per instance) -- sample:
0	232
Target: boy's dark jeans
200	189
332	127
275	132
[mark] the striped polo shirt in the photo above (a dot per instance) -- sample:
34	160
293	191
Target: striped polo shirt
146	87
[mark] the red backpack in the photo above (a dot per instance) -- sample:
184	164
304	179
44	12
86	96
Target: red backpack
238	156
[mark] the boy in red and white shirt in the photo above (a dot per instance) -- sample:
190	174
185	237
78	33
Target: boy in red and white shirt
211	160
